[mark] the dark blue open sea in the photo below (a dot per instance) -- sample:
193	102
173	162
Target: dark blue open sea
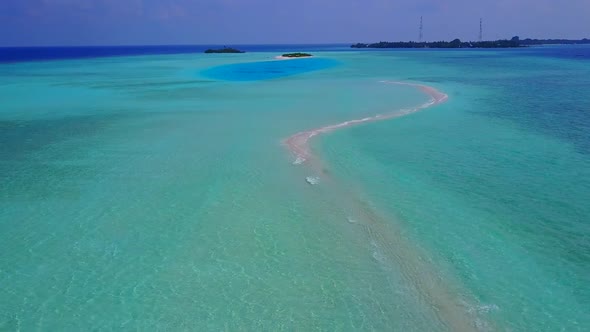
21	54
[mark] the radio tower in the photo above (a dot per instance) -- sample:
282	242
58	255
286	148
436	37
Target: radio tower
421	29
480	29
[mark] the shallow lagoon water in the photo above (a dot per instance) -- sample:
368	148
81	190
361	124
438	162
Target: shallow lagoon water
146	193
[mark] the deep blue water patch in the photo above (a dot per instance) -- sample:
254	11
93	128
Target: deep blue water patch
265	70
570	52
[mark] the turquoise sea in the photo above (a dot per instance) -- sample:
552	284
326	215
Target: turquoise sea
156	192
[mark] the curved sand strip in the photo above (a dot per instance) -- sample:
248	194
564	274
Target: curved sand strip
298	144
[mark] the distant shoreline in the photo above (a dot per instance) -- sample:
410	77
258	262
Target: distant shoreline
515	42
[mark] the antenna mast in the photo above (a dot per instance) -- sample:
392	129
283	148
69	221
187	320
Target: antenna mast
480	29
421	29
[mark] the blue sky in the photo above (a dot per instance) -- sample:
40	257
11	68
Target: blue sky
116	22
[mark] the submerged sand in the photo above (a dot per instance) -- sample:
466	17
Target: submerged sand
389	249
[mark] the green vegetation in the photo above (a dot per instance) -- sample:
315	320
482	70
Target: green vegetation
224	50
457	43
296	55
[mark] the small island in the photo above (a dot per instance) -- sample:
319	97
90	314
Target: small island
224	50
296	55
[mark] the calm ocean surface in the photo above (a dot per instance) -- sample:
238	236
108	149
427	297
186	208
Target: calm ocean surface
147	188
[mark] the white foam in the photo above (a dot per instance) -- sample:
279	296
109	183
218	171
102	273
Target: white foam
299	161
351	220
313	180
485	308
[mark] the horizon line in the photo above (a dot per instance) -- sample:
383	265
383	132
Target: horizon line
256	44
183	44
